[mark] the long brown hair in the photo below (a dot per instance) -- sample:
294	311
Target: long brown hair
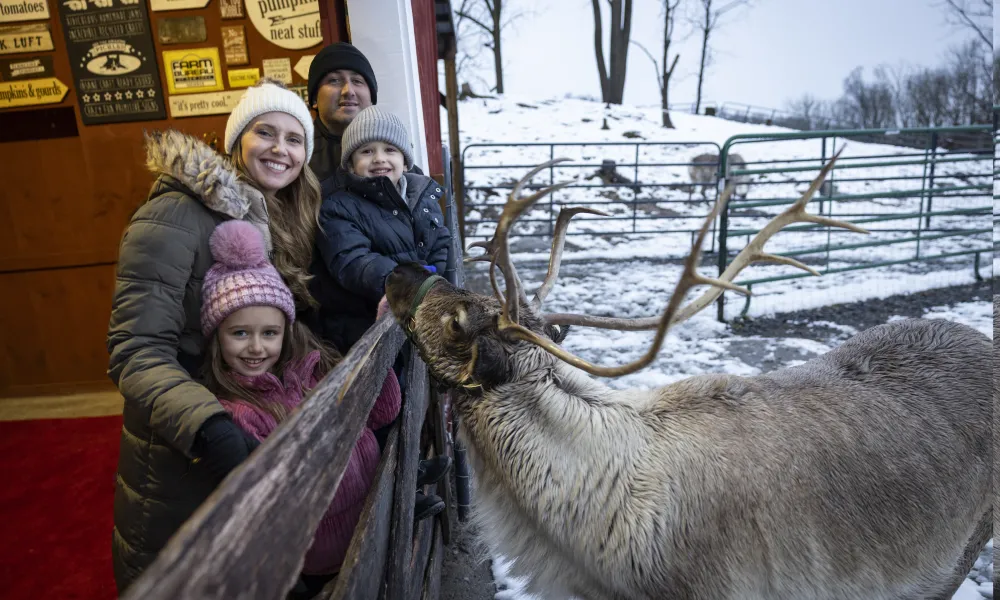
294	221
298	342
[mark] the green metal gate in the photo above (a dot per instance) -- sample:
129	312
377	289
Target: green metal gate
927	199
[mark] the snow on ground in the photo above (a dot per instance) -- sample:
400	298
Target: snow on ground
629	275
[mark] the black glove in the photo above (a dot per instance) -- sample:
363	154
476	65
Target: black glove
221	446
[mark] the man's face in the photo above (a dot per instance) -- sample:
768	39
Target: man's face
342	94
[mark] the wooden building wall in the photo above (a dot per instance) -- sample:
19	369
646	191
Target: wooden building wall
425	33
68	191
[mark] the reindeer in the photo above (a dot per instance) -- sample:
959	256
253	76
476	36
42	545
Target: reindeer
862	474
705	167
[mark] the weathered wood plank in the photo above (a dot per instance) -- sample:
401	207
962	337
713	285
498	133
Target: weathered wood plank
363	570
443	448
401	537
421	557
432	584
249	538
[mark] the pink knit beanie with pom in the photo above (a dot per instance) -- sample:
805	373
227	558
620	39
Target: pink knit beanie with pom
241	276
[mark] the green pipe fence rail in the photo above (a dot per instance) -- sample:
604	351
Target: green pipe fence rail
646	186
920	205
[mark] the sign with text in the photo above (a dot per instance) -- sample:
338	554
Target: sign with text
193	70
161	5
292	24
12	11
196	105
35	67
25	38
234	45
243	77
31	92
231	9
110	48
279	69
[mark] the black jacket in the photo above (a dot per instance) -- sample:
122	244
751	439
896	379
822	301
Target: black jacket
326	151
366	230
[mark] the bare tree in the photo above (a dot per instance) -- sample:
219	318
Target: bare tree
974	15
620	26
710	12
663	74
490	19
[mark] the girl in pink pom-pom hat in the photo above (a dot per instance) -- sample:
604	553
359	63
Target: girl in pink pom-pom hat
261	362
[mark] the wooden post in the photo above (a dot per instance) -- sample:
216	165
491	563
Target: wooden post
454	144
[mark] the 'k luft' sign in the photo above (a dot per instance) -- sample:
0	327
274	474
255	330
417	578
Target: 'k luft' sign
35	37
23	10
292	24
110	49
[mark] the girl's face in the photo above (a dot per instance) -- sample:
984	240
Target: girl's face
273	148
251	339
378	158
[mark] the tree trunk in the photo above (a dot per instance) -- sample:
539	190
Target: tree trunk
497	54
602	71
706	30
665	72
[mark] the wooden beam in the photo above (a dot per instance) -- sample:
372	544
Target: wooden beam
454	143
249	538
432	584
411	420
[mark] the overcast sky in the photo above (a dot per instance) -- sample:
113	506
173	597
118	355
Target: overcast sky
765	54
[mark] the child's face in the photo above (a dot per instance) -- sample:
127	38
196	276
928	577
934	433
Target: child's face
274	150
378	158
251	339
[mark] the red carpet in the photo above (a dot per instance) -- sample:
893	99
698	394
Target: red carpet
56	506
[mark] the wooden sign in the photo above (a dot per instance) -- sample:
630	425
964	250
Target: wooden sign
196	105
193	70
182	30
231	9
161	5
12	11
31	92
292	24
302	66
234	45
279	69
302	91
241	78
25	38
35	67
111	53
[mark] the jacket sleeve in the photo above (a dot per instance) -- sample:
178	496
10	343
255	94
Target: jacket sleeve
438	255
387	404
348	256
147	318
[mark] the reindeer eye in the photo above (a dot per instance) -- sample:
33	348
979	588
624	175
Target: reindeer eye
454	327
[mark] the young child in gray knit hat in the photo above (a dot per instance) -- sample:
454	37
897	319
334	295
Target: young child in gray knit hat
383	215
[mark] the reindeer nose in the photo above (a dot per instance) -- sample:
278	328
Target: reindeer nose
403	282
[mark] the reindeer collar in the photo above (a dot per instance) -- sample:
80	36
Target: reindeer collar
417	299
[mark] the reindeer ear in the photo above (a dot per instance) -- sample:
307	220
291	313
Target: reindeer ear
557	333
492	365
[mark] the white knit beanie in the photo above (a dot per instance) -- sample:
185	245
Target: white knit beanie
375	125
265	98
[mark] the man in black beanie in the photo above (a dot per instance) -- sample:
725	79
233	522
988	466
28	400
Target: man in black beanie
341	84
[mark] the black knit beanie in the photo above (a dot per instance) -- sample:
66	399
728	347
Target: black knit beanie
340	55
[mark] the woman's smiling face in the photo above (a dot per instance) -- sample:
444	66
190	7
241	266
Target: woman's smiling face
273	148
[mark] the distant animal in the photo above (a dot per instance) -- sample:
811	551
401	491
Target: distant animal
861	474
704	171
609	175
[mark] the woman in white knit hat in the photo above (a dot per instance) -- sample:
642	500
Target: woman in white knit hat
178	441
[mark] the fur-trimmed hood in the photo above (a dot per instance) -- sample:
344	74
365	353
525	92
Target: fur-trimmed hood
210	176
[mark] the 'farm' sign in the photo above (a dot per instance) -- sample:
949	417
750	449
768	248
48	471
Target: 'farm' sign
23	10
292	24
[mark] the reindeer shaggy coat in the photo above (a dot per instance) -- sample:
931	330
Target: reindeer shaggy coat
864	473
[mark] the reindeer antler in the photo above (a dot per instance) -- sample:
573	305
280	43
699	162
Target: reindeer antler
498	248
751	254
498	253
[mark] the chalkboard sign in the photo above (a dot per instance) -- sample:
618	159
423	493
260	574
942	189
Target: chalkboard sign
111	51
